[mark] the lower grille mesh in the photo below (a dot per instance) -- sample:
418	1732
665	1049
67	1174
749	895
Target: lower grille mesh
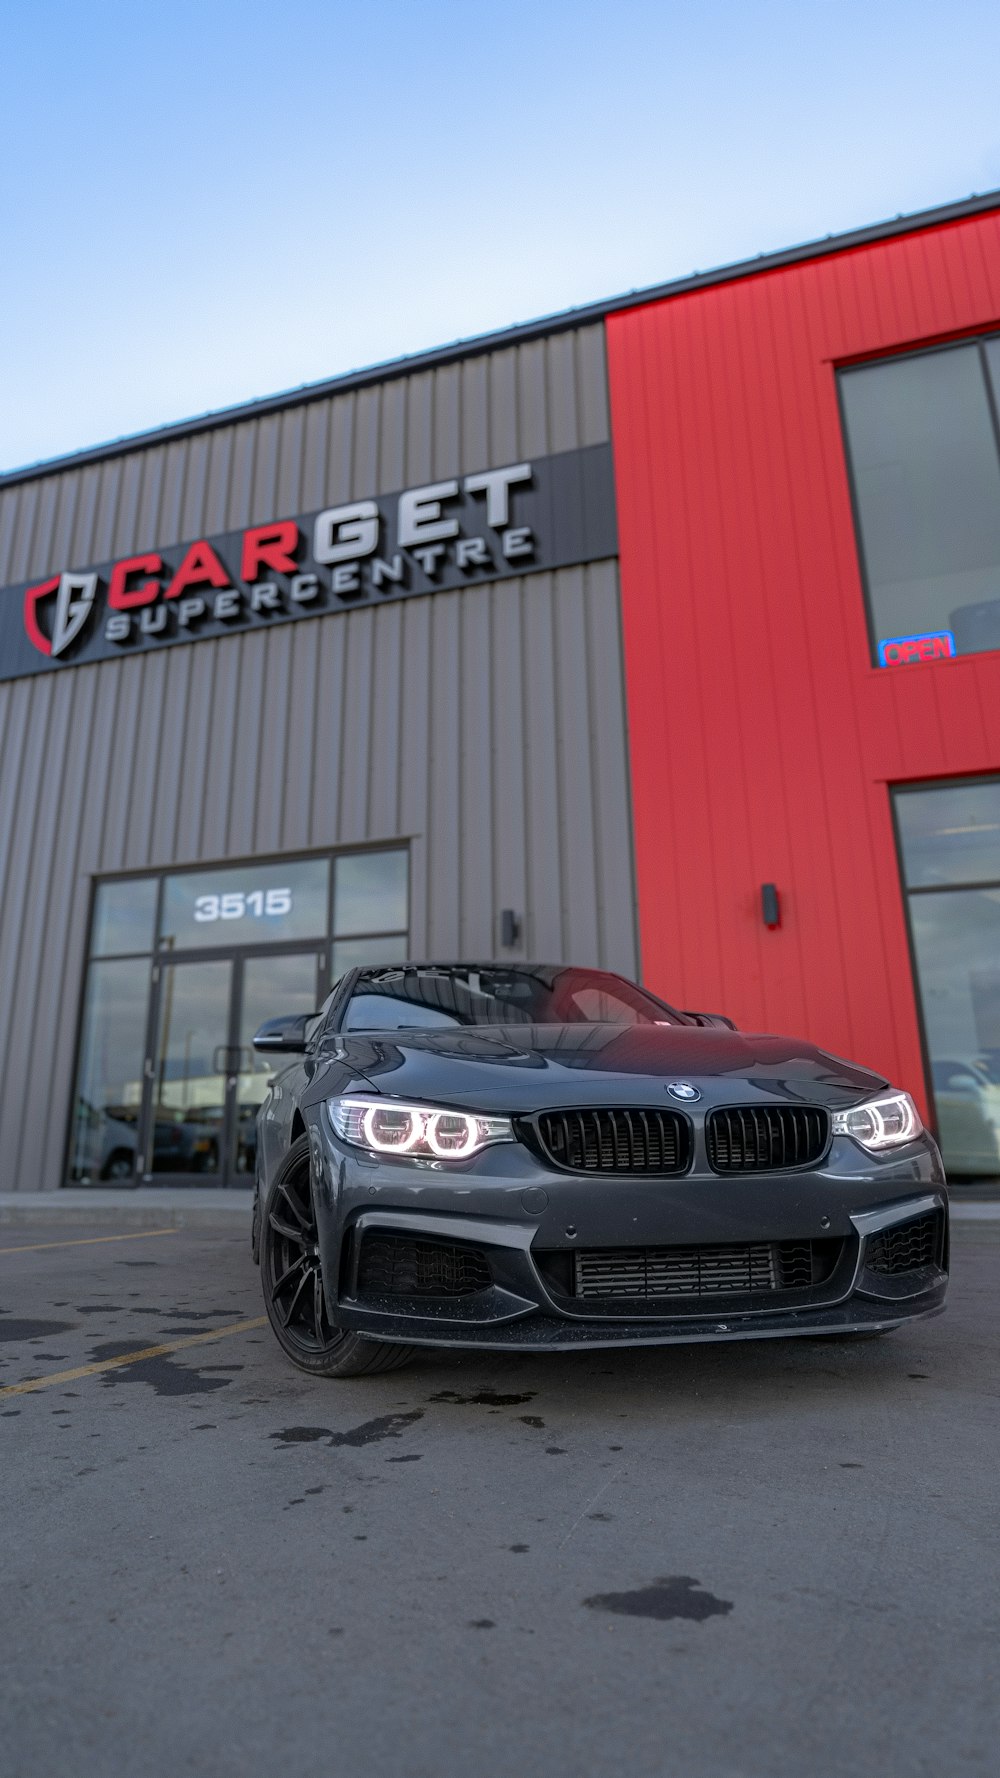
648	1273
393	1265
906	1248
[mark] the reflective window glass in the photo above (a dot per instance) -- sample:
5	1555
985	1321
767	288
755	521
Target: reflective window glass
272	987
104	1138
950	839
956	936
353	953
124	914
190	1068
951	834
370	893
926	470
247	904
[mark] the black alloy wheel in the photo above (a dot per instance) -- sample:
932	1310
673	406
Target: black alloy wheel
291	1270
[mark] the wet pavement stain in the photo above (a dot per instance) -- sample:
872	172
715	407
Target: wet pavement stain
12	1329
673	1596
185	1314
601	1518
519	1549
161	1374
532	1420
370	1432
100	1308
555	1450
486	1398
481	1623
411	1457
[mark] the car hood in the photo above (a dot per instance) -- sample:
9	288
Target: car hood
522	1068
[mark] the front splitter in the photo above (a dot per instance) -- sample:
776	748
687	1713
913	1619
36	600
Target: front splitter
543	1333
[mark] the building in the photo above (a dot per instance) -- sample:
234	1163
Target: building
662	635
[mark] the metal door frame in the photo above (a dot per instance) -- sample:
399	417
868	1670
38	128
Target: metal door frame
237	957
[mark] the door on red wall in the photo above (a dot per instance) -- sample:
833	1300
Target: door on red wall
950	850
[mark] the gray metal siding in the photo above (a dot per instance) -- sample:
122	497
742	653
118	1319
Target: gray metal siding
530	400
485	726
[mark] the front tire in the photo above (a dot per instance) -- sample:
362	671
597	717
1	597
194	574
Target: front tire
291	1273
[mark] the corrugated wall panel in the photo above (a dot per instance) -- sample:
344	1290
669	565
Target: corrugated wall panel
545	396
762	739
484	725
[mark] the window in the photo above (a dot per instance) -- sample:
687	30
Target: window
252	904
924	453
370	909
434	996
950	847
166	1080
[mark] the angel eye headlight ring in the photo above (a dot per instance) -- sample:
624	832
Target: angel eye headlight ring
386	1126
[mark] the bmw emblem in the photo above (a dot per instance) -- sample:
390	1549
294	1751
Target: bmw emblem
682	1089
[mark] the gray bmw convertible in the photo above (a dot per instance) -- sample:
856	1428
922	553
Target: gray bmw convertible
536	1157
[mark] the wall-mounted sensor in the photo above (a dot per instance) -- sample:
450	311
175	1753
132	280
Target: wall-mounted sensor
770	905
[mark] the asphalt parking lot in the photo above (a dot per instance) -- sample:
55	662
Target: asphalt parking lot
702	1562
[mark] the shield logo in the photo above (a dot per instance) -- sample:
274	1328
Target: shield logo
74	601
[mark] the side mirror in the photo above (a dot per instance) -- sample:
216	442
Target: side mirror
717	1021
287	1034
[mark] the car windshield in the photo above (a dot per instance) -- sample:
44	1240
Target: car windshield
422	997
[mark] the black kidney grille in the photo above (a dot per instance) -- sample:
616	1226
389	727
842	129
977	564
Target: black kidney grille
645	1273
765	1138
393	1265
908	1247
617	1140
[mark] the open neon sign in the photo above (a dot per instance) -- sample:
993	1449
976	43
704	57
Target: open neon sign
896	651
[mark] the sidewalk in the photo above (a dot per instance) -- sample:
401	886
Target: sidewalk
144	1208
153	1207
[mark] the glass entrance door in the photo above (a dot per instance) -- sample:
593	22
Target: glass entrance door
204	1081
186	1108
271	986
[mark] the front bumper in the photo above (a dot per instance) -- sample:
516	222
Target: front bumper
529	1222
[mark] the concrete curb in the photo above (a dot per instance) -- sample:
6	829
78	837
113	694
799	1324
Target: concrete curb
139	1209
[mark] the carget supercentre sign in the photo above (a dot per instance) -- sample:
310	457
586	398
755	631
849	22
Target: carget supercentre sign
517	519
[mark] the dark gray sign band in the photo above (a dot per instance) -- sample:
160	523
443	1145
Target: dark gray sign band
562	516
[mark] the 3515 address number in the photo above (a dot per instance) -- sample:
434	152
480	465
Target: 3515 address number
266	904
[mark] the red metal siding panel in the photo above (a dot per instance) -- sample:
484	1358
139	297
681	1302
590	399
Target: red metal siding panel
762	739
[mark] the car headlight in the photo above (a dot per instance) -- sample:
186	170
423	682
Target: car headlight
885	1122
385	1126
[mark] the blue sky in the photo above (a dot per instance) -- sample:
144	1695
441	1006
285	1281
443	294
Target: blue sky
204	202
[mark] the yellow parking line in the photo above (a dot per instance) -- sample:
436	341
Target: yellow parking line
89	1241
112	1364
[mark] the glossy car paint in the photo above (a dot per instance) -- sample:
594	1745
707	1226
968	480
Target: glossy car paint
506	1201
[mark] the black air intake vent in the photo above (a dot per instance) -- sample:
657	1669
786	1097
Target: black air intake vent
908	1247
618	1140
393	1265
765	1138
